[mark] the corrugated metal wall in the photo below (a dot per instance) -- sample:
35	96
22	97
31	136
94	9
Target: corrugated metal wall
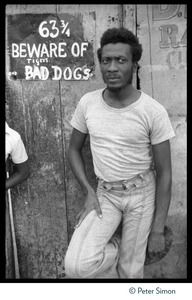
46	204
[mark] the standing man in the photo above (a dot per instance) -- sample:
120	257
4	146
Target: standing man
129	131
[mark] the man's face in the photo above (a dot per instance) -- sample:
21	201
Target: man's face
117	66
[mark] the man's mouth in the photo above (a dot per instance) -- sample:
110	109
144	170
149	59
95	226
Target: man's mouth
112	78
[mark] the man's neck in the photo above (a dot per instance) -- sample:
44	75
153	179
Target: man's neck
122	97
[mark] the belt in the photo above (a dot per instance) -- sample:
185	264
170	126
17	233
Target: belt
123	184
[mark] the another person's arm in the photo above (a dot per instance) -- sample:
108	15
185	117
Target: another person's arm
78	167
162	159
21	173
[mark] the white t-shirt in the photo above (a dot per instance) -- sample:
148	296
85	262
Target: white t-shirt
121	139
14	146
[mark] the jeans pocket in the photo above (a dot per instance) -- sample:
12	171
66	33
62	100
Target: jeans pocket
100	196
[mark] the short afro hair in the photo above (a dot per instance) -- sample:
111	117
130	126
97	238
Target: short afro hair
121	35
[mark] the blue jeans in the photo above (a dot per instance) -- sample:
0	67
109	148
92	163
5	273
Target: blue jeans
94	251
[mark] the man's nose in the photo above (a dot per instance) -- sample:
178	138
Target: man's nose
113	66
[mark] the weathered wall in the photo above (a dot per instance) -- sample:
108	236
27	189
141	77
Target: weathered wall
162	32
46	204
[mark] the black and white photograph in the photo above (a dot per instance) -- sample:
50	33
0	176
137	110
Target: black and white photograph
95	128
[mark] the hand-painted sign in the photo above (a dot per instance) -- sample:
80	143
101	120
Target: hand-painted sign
173	36
169	32
48	46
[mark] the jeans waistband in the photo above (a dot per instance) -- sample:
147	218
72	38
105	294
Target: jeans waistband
123	184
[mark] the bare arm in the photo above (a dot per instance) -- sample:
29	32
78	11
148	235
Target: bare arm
162	159
21	174
78	167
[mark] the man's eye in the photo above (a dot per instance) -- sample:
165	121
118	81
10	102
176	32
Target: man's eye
105	61
121	60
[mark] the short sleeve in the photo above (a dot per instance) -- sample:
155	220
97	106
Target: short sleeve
78	120
18	153
161	129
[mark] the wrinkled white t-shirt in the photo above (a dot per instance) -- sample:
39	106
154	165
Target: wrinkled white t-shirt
14	146
121	139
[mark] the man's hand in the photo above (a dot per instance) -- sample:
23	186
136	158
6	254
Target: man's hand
91	202
156	243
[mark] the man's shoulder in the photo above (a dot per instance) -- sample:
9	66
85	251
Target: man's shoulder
12	136
91	97
13	133
152	104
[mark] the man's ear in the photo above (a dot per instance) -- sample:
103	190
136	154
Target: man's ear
135	66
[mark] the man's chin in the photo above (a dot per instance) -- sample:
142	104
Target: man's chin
118	87
114	88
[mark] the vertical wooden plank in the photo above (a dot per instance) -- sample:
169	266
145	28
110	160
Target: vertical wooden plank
129	22
144	35
39	210
12	9
39	203
42	102
162	32
16	121
129	17
9	263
